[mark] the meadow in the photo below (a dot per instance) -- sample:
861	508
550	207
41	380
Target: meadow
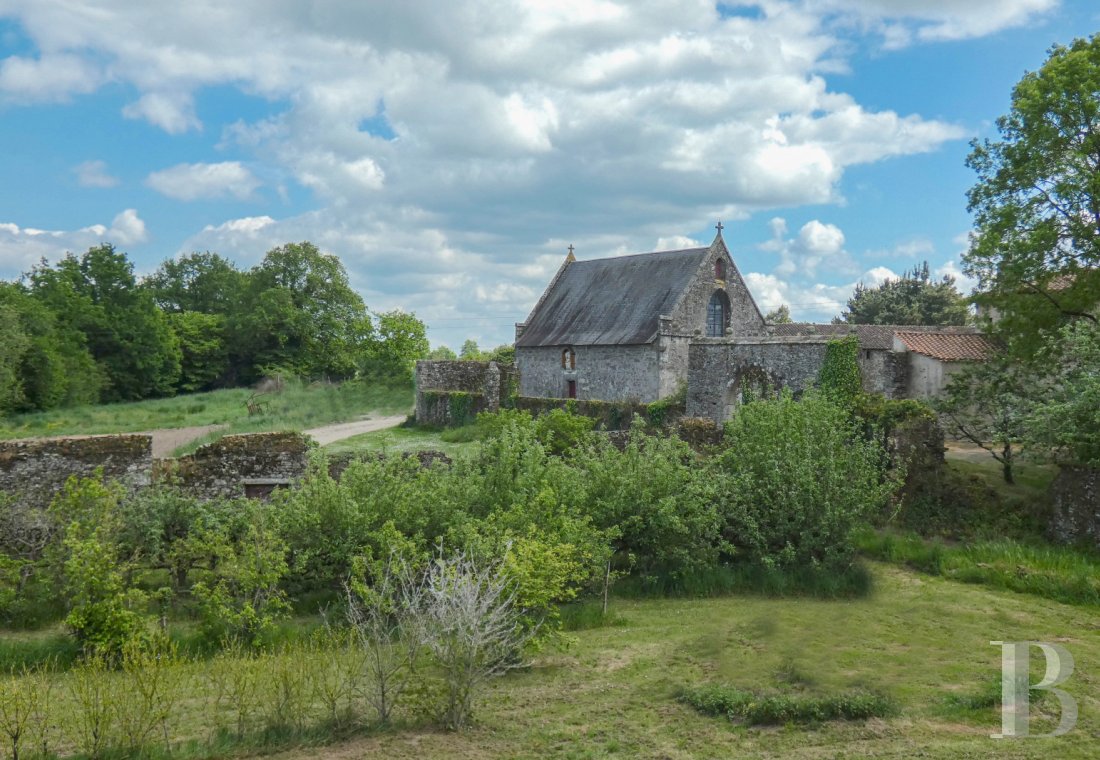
296	406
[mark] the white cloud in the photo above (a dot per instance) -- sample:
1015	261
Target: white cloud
903	21
172	112
23	247
511	127
94	174
818	245
190	182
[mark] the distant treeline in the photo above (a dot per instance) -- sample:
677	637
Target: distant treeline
86	330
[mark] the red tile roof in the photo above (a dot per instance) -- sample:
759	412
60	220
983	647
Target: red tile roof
948	347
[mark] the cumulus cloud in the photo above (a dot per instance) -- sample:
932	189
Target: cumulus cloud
22	247
901	22
191	182
455	143
94	174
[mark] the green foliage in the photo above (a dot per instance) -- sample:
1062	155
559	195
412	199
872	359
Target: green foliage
779	316
651	494
239	594
442	354
504	354
840	378
470	351
129	337
399	341
795	478
912	299
203	350
300	313
1036	244
105	609
1065	416
563	433
205	283
1063	574
779	709
987	403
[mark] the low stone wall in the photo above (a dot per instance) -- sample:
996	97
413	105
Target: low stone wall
451	393
1075	494
240	465
35	470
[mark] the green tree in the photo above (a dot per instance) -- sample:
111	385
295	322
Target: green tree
470	351
300	314
129	337
504	354
202	282
13	345
780	316
915	298
56	368
204	355
987	403
399	341
1065	418
795	479
1036	244
442	353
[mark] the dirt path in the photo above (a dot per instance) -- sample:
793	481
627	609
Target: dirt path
167	440
331	433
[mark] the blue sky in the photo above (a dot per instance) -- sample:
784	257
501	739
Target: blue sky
449	154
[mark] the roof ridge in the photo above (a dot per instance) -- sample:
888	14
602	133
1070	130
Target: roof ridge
647	253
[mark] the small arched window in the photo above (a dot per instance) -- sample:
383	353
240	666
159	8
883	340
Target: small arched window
720	269
718	312
568	359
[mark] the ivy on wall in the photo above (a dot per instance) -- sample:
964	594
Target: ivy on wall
840	378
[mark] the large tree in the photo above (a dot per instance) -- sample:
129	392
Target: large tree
129	337
202	282
1036	203
301	315
915	298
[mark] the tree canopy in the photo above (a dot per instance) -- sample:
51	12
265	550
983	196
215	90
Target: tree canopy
1036	244
915	298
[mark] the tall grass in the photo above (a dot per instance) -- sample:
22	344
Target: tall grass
778	709
298	405
1063	574
721	580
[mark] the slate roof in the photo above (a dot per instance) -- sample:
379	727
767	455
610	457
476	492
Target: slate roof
948	347
879	337
614	301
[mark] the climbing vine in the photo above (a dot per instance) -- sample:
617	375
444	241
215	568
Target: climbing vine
840	378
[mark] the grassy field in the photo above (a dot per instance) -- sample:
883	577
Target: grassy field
296	407
922	641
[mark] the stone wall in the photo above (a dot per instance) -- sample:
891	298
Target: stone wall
718	370
452	392
1075	494
628	373
34	471
236	465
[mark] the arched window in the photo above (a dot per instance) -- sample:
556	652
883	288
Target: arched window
568	359
720	269
718	312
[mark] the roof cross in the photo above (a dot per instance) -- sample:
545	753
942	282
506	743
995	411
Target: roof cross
570	249
719	227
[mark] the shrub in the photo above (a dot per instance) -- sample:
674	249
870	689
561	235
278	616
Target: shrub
778	709
795	478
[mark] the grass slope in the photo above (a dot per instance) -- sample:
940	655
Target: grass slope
399	440
296	407
924	642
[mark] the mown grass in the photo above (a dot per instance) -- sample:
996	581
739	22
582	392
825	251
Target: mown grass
1065	574
399	440
296	407
915	643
